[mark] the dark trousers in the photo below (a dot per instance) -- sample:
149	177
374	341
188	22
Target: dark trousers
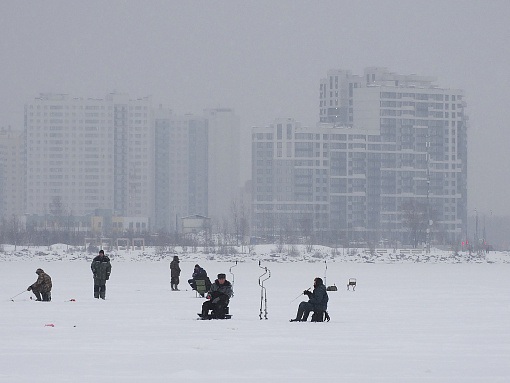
303	311
219	308
44	296
100	291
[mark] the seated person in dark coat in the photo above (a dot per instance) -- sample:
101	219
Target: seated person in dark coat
199	273
317	300
218	298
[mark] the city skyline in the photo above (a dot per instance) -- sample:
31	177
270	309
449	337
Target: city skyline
263	60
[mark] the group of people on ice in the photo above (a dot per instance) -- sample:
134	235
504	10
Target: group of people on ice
217	294
101	270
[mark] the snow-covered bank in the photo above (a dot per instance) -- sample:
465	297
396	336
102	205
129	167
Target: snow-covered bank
269	253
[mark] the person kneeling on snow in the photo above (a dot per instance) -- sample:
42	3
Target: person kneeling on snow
42	287
317	301
218	298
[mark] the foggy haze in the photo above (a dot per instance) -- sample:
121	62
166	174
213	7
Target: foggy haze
265	60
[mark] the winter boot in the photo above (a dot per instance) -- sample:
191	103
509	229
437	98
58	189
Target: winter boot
37	295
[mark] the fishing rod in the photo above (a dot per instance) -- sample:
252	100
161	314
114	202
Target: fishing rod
308	289
12	299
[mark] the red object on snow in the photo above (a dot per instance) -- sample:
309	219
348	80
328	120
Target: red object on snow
49	325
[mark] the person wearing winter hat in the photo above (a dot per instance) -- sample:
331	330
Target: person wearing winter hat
101	269
175	272
218	299
42	287
317	300
199	273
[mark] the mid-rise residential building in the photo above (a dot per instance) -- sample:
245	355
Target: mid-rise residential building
11	174
224	164
197	166
87	154
181	168
396	172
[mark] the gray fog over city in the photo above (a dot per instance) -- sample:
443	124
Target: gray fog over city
263	62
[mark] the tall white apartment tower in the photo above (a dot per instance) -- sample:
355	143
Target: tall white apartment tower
88	154
387	163
223	162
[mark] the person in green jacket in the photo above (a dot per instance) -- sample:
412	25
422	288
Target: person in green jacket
42	287
101	269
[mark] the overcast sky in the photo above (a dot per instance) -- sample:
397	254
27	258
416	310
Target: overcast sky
265	59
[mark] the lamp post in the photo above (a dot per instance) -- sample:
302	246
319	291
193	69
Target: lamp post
476	231
427	239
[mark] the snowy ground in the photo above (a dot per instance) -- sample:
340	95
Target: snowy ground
406	322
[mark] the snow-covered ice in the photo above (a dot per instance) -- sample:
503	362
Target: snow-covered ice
406	321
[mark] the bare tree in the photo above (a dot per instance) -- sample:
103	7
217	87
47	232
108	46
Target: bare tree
415	219
306	226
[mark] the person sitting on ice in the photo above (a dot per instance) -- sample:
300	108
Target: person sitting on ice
218	299
199	273
42	287
317	300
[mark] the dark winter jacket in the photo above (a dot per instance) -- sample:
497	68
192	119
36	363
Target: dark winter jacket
319	298
199	273
220	291
101	268
43	283
175	270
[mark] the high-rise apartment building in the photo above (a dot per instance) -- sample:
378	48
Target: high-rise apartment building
181	168
197	166
88	154
389	164
224	168
11	173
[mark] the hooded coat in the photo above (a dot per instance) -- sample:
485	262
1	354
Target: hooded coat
43	283
319	298
175	270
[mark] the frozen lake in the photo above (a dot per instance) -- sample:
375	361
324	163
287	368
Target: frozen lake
404	323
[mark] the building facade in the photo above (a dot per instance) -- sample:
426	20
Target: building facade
396	172
88	154
224	164
11	174
181	168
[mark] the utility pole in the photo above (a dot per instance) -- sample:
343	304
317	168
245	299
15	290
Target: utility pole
427	240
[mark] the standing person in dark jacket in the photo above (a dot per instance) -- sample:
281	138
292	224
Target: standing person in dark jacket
218	298
175	272
101	269
317	300
42	287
